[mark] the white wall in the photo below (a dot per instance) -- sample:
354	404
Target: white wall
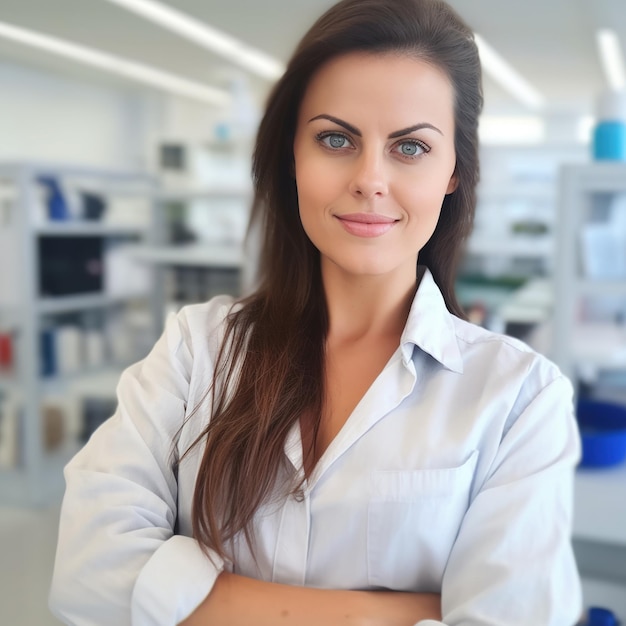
51	117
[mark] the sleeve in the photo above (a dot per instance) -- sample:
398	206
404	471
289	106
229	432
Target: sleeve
118	561
512	562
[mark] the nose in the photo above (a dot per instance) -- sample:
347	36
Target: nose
369	178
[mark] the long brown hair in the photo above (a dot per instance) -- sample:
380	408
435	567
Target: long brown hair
270	368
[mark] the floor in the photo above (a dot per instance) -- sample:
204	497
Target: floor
27	546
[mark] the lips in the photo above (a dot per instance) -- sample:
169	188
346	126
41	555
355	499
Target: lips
366	224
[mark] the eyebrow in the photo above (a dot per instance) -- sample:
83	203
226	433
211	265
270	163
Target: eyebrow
355	131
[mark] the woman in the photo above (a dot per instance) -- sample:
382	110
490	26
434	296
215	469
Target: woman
340	447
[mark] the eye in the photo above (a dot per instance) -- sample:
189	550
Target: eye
334	141
411	148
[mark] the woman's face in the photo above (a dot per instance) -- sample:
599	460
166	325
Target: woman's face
374	157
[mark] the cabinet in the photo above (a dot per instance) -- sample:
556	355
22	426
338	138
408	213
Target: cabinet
515	223
64	268
589	345
590	286
515	233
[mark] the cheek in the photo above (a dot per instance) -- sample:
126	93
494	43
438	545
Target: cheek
423	198
317	182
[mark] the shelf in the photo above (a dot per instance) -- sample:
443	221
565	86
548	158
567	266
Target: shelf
39	478
57	459
200	194
600	505
195	255
69	304
16	484
31	168
598	287
85	228
600	346
17	487
511	246
9	318
598	177
521	190
98	382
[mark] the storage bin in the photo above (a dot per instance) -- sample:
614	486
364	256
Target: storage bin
603	432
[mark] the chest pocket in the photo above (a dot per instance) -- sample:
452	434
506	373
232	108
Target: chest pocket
413	520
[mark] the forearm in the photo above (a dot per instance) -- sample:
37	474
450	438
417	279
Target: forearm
240	601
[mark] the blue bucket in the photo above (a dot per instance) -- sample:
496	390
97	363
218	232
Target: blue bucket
603	432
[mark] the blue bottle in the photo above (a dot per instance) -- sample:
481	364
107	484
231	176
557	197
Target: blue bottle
609	135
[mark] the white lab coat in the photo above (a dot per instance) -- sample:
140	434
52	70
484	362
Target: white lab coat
453	475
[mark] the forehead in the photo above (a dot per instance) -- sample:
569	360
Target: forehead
389	87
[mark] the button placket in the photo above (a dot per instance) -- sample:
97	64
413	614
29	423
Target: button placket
292	545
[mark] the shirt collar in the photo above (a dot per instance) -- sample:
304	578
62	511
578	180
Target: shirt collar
430	327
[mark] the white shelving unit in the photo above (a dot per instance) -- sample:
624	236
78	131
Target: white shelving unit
585	347
36	476
205	257
518	193
582	187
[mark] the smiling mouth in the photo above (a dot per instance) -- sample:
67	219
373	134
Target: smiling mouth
366	224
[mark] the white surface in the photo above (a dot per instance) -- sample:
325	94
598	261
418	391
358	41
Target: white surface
531	303
62	304
82	228
27	545
214	191
511	246
47	116
600	345
611	288
101	383
123	276
600	505
603	251
214	255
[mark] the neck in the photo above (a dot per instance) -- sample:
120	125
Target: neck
367	306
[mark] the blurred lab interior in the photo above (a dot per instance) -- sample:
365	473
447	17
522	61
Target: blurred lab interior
126	130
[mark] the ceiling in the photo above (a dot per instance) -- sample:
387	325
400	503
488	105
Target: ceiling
550	42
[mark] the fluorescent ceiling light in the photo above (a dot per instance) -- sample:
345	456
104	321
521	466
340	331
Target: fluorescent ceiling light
612	59
508	78
116	65
206	36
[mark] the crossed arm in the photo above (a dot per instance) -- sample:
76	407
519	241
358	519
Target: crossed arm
240	601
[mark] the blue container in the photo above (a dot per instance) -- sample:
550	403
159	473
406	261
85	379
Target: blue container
609	141
597	616
603	432
48	350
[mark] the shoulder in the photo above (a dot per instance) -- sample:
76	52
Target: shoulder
205	320
191	338
520	388
504	358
